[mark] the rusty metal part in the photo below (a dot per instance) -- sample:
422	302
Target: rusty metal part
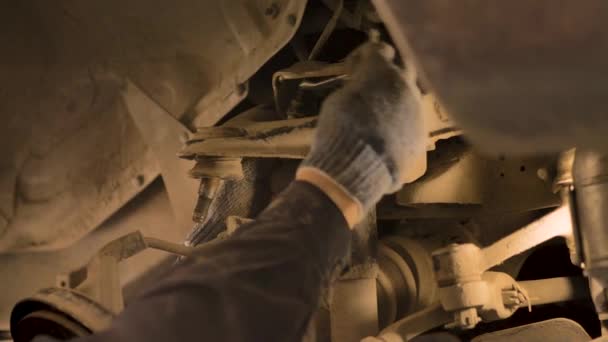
477	61
555	330
74	312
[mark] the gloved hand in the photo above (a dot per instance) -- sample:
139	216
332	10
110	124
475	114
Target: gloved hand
370	132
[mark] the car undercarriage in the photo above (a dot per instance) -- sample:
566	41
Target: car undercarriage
135	132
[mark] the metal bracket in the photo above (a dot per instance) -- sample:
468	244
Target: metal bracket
102	269
460	269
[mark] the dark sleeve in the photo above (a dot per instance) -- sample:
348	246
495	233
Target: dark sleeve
262	284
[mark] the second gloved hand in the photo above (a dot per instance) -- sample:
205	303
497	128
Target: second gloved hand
371	131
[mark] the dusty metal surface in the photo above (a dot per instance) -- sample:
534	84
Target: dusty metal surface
457	175
230	186
473	260
561	289
100	277
406	282
591	189
190	56
280	139
497	297
102	271
413	325
71	155
558	223
49	323
77	171
289	138
192	64
518	76
164	135
558	330
473	294
76	306
25	273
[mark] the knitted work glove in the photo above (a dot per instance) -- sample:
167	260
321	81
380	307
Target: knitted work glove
370	133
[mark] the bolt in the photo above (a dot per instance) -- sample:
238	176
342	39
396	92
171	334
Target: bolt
464	319
543	174
511	298
140	180
241	88
273	10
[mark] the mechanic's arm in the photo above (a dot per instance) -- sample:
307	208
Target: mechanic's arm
266	280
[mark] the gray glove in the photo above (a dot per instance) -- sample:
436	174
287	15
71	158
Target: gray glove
370	132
